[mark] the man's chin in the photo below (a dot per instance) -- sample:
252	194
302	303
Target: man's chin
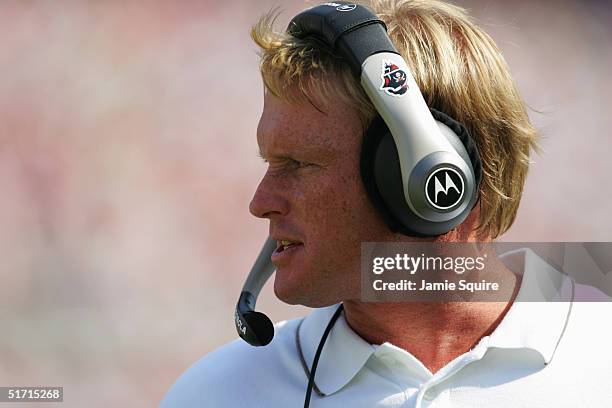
294	292
287	291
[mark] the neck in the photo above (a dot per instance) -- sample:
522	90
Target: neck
433	332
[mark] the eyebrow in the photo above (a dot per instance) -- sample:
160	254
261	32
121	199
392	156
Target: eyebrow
302	154
265	159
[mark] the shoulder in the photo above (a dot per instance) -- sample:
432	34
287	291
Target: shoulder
585	343
591	319
233	374
589	315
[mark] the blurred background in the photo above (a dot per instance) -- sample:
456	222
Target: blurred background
128	158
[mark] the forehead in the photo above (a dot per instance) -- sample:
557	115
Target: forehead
285	125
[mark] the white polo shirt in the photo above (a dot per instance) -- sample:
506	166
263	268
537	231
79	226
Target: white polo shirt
542	354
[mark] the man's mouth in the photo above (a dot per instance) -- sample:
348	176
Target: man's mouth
284	245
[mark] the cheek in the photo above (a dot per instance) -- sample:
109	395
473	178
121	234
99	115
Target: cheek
336	189
339	210
337	207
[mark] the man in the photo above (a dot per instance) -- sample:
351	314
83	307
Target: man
417	354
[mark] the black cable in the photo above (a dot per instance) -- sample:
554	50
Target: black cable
315	362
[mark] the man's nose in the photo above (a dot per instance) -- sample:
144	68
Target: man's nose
269	199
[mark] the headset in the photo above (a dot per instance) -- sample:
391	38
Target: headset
421	169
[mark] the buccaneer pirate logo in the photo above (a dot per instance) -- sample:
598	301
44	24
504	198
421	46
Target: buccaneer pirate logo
394	80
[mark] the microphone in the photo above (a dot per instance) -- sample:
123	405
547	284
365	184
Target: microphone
254	327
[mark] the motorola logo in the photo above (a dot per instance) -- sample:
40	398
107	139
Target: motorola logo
346	7
341	7
444	188
239	324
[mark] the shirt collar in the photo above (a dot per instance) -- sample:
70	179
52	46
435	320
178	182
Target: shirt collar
344	352
538	316
532	324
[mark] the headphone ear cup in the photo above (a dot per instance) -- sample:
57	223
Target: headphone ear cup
381	175
375	136
467	147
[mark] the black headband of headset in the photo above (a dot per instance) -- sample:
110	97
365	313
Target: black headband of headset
354	34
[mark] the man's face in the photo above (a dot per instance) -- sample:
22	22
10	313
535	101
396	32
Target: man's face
313	196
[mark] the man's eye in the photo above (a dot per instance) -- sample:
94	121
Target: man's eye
297	164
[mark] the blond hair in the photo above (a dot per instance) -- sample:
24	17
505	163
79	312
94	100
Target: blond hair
459	70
